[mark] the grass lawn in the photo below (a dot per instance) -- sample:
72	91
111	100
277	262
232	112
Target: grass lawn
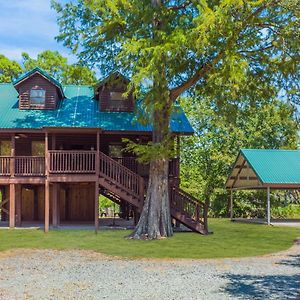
229	240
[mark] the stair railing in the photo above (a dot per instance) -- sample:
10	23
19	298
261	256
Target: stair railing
185	203
121	176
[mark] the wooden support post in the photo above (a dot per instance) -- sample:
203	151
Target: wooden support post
47	205
47	185
53	141
97	170
12	205
55	210
12	154
96	207
18	199
268	207
231	204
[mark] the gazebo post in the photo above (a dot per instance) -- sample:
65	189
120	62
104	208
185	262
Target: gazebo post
268	207
231	204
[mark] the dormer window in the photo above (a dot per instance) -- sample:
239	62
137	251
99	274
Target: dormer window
37	96
117	96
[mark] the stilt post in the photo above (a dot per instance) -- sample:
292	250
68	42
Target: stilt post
47	185
12	205
268	206
231	204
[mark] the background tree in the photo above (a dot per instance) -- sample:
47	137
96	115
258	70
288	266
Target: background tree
9	69
220	47
207	157
57	66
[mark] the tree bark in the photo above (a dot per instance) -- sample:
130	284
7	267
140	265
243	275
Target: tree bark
155	220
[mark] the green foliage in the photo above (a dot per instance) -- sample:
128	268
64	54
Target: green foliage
229	240
57	66
291	211
207	156
225	49
9	69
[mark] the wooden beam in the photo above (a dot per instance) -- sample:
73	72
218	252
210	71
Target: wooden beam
47	205
18	199
268	207
12	154
55	210
231	204
12	205
240	170
47	185
96	207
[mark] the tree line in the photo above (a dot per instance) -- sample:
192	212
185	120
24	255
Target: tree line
55	64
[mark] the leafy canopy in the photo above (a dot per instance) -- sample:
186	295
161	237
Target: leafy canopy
9	69
57	66
223	47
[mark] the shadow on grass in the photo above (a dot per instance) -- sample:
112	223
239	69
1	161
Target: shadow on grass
266	287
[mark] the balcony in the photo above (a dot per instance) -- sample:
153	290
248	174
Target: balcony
69	162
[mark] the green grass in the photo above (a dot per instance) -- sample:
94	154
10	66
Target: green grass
229	240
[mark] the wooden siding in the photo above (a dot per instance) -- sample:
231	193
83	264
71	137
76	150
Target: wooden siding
52	97
105	102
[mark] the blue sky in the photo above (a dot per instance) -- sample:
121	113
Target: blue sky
28	26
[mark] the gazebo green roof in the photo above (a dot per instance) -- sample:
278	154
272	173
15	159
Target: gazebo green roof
258	168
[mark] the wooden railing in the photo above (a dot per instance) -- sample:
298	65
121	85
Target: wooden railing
121	176
5	165
61	161
136	167
187	204
29	166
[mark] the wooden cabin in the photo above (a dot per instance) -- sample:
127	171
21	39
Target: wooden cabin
62	146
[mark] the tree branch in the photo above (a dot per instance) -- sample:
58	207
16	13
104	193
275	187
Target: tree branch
203	69
181	6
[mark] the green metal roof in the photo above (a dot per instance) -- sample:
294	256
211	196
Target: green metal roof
274	166
79	110
43	73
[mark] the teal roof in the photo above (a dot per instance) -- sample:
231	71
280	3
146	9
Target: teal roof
78	110
274	166
43	73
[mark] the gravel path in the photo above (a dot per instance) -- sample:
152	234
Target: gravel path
49	274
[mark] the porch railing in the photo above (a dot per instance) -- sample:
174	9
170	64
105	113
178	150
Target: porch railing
29	166
75	162
5	165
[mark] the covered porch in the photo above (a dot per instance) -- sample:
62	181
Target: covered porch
263	169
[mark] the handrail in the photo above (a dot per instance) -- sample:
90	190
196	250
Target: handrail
121	176
188	204
73	161
29	165
5	165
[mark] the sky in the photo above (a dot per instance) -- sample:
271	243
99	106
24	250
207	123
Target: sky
29	26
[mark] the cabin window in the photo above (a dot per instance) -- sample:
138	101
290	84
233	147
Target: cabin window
37	96
38	148
5	149
117	96
115	150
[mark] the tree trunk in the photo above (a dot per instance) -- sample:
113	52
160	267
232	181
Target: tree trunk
155	220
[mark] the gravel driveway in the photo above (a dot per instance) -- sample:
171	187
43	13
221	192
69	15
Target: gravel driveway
48	274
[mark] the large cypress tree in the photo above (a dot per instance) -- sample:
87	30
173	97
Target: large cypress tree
220	47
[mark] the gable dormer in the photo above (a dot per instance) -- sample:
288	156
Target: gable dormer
110	94
38	90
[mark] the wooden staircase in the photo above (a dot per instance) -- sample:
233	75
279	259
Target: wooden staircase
119	183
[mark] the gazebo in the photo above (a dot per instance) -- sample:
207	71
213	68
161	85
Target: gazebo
264	169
